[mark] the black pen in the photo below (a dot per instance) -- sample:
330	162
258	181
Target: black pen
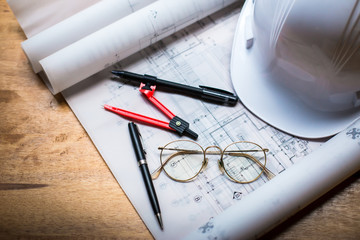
140	155
206	93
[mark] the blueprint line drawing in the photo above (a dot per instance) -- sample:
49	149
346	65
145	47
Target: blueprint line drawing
178	41
197	55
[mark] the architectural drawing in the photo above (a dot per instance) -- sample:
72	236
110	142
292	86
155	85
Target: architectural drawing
197	55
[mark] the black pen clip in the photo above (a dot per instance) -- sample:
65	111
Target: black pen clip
215	94
218	90
141	139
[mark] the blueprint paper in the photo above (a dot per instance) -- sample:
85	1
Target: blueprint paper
78	26
82	45
37	15
122	38
313	176
197	55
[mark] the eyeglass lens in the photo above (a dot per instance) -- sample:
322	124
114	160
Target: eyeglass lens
182	160
243	161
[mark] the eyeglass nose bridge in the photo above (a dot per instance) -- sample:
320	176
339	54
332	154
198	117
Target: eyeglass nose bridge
218	152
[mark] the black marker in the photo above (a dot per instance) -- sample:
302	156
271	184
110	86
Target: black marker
206	93
140	156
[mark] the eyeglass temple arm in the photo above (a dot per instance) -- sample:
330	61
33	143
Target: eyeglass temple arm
156	173
211	152
270	175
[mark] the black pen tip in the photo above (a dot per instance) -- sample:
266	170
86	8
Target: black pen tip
158	216
117	72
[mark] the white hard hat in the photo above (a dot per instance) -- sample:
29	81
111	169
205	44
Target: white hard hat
296	64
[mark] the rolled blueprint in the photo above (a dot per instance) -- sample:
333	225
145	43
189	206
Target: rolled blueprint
122	38
76	27
37	15
289	192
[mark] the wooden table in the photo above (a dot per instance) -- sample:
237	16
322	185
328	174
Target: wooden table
54	183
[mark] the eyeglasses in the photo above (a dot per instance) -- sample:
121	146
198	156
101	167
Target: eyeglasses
242	162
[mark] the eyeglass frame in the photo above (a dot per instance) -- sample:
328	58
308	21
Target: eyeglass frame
266	171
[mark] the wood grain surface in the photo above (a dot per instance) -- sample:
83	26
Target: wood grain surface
55	185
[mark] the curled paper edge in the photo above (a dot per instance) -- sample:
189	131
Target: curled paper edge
289	192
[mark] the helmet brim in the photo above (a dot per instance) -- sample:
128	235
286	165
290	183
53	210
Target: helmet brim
272	102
